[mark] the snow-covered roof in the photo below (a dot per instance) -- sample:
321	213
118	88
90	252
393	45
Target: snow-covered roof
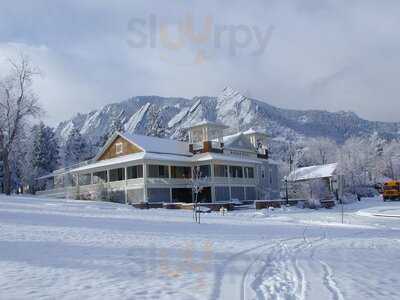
313	172
227	158
238	141
130	158
228	139
158	145
253	131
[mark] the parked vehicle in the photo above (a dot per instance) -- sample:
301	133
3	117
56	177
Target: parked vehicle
391	190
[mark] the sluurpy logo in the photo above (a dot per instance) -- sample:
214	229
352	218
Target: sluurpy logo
180	42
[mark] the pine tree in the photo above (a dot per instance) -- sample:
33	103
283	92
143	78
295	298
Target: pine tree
42	156
156	120
45	152
76	149
116	126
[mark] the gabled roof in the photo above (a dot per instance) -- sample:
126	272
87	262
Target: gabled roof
150	144
158	145
313	172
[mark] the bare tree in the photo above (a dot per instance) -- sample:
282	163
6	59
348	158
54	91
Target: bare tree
17	104
318	151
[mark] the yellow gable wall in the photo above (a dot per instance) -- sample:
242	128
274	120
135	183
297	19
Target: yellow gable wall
127	148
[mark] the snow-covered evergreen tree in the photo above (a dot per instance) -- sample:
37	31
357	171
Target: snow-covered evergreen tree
76	148
156	122
117	125
42	156
45	152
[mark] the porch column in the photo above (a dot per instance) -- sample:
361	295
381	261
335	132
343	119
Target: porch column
229	183
126	185
144	182
78	193
213	200
108	185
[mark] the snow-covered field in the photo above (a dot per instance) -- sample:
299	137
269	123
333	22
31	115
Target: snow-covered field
66	249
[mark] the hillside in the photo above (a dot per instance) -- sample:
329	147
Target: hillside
170	116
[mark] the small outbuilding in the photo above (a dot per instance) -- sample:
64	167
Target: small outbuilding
313	182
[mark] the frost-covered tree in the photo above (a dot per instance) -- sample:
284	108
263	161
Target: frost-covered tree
360	161
18	164
319	151
76	148
45	152
43	155
156	122
18	104
117	125
391	159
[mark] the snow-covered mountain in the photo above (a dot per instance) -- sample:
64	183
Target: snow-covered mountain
171	116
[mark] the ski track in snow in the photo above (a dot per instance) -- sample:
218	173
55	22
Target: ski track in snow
330	282
281	276
135	254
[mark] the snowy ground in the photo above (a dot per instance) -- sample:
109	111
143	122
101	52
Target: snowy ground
66	249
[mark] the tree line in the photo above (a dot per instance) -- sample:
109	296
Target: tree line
28	149
31	151
363	161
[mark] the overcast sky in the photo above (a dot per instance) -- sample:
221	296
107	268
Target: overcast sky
311	54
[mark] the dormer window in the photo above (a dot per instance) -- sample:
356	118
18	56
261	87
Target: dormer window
119	148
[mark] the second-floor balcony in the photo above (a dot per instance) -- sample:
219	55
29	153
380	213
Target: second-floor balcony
207	146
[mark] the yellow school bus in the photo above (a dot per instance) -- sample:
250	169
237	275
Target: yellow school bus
391	190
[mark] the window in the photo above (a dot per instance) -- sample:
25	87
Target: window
220	171
158	195
222	193
205	171
248	172
134	172
270	177
236	172
182	195
100	177
251	193
85	179
158	171
117	174
119	148
237	193
180	172
205	195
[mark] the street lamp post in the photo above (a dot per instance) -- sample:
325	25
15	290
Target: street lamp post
287	191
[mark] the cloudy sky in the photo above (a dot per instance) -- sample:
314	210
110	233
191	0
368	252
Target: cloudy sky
312	54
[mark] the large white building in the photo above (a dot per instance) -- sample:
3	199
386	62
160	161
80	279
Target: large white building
135	168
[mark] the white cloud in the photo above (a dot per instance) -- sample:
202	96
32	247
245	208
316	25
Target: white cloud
332	55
